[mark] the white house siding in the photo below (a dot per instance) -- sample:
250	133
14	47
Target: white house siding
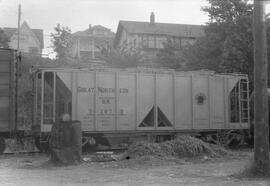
124	36
148	41
86	44
27	41
74	46
187	41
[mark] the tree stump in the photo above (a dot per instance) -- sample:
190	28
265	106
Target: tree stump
66	143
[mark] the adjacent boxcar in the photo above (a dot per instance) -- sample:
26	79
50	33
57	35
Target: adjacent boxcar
112	102
7	90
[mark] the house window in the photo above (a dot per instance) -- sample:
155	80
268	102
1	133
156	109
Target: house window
187	41
134	42
144	42
177	42
160	42
33	50
151	42
86	44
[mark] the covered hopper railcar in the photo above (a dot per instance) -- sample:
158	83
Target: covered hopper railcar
155	104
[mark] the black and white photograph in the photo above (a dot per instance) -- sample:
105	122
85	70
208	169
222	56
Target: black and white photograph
134	92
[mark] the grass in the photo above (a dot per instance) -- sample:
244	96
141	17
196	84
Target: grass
251	171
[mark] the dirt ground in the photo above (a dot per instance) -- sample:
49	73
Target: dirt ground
27	170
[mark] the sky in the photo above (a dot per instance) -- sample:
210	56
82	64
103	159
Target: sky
78	14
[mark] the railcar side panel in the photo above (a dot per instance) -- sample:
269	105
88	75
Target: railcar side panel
146	101
106	101
126	108
201	103
165	101
85	100
217	100
183	102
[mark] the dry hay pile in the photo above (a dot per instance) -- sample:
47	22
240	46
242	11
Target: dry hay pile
182	146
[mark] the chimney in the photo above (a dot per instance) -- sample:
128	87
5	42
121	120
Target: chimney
90	26
152	18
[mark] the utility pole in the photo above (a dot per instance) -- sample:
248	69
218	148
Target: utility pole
19	28
17	68
93	48
261	128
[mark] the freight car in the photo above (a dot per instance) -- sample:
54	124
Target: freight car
8	59
15	136
119	106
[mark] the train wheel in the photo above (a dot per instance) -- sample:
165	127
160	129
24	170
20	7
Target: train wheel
238	139
217	138
223	139
42	146
2	145
228	139
89	144
37	143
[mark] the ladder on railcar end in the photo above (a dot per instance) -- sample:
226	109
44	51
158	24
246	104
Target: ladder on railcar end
244	100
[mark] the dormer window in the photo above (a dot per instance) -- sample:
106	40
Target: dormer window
135	42
151	42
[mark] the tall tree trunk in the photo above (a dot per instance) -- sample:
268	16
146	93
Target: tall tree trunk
261	128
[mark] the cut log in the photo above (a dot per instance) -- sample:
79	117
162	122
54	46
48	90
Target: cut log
66	143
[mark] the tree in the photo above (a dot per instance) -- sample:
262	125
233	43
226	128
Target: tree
228	43
61	40
170	56
3	39
125	56
228	47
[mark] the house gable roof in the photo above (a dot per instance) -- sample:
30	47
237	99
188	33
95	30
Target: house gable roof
178	30
37	32
89	31
168	29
